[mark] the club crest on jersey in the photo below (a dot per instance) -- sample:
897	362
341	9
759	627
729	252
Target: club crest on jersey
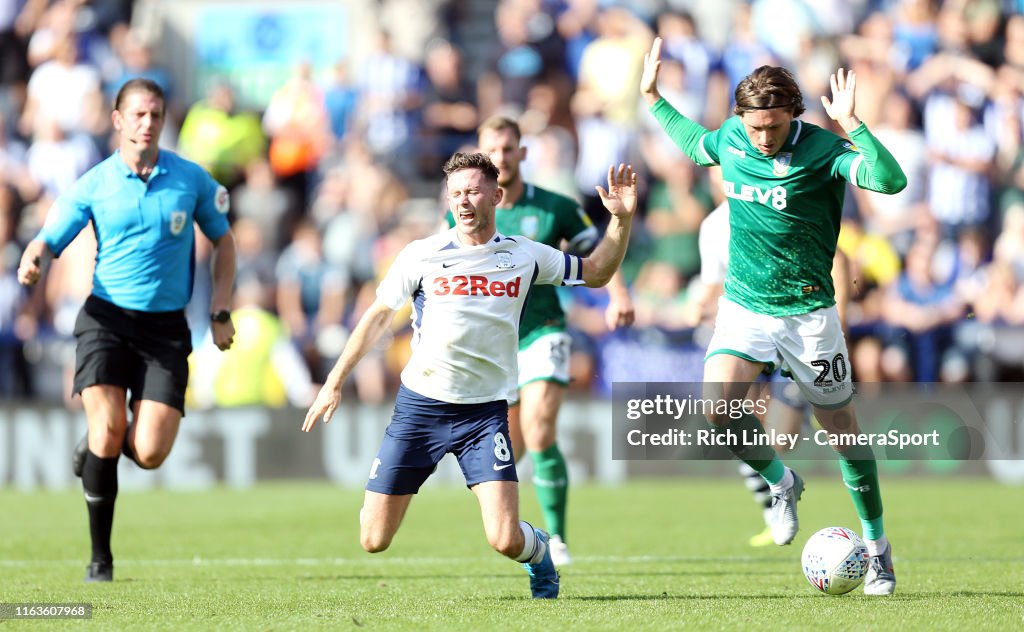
505	260
781	162
528	227
178	219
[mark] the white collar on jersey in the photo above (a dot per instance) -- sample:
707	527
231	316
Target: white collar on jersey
458	243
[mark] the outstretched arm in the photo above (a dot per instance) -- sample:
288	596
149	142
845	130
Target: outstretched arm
374	322
881	172
620	200
685	133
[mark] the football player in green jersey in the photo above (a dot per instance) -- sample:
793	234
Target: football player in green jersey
785	180
551	219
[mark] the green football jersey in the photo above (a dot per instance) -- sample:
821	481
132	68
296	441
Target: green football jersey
547	218
784	210
784	215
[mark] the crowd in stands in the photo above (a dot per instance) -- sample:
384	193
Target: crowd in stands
341	168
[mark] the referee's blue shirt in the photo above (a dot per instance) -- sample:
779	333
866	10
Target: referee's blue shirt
145	257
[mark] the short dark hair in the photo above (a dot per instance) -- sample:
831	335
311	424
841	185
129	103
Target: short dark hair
498	123
140	84
460	161
767	88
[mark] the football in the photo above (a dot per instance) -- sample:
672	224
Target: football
835	560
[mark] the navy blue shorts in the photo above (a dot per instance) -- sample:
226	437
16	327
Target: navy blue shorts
423	430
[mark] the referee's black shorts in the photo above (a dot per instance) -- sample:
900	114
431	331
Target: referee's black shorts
143	352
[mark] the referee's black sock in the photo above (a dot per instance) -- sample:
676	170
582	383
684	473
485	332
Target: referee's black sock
99	481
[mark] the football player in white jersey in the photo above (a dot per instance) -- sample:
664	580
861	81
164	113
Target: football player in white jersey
469	287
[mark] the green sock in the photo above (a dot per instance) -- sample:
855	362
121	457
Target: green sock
860	474
551	480
760	457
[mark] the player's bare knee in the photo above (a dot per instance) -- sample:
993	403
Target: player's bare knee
106	439
374	542
150	460
150	455
506	542
538	438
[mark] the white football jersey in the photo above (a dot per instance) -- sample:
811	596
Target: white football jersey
467	303
713	244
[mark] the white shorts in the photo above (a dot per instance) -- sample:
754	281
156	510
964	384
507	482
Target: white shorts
546	358
809	347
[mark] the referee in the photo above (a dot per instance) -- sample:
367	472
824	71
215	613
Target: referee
132	338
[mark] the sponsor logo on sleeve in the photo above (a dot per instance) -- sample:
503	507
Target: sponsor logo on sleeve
221	200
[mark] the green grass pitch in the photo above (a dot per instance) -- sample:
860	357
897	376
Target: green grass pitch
659	555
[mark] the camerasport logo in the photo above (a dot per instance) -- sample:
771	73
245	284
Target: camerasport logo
476	285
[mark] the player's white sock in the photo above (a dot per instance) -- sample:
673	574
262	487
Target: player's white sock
784	484
533	548
877	547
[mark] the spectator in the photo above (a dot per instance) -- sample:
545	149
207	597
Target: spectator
390	96
296	123
135	59
219	137
271	208
57	158
923	308
450	116
895	216
962	159
58	88
310	295
18	320
341	99
262	369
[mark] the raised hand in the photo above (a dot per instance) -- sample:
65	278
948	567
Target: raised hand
841	107
649	79
620	198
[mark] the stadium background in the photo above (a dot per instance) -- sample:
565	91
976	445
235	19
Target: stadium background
328	121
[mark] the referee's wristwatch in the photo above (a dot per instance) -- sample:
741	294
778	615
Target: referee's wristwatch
221	316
